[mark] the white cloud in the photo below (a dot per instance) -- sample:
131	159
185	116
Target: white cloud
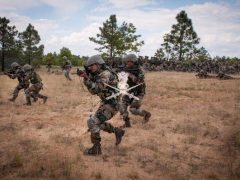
66	8
129	3
77	42
15	5
217	24
21	22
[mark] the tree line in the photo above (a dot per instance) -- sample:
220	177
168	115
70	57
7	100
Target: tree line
180	44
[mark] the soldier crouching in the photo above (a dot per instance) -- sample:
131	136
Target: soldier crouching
16	71
36	85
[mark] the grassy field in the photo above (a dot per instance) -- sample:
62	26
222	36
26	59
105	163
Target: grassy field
194	132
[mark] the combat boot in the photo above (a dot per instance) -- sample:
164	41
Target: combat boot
111	129
127	123
146	117
96	148
119	133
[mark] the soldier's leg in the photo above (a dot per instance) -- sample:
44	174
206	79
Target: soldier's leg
135	109
28	93
34	96
106	112
38	88
94	127
68	74
43	97
123	105
15	92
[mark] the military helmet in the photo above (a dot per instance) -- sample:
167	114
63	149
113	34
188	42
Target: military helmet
27	67
130	57
14	65
96	59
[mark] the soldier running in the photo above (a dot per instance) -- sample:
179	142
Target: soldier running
66	68
36	85
16	71
98	74
135	77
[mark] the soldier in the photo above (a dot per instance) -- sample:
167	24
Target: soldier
17	72
135	77
98	74
202	74
35	88
66	67
221	75
49	65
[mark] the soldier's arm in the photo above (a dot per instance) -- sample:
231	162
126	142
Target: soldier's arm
97	87
12	75
27	76
133	78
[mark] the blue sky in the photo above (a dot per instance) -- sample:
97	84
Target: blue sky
70	23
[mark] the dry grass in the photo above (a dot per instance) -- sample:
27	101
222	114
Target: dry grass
193	132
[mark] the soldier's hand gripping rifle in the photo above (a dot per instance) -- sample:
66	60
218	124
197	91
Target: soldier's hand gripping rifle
83	73
9	73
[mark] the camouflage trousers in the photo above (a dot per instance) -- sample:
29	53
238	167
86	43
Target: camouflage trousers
134	106
98	122
33	91
19	87
67	73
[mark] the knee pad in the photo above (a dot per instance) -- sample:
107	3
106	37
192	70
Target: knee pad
93	124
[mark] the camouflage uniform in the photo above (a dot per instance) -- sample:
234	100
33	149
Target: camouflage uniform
66	67
136	76
202	74
17	72
49	65
107	109
35	88
221	75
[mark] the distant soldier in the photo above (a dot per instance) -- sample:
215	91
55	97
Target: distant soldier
202	74
98	74
17	72
36	85
221	75
49	65
135	77
67	66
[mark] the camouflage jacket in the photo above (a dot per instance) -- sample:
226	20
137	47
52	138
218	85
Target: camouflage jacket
95	84
136	76
66	65
20	75
33	77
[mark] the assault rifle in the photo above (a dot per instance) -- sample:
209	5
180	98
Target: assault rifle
9	73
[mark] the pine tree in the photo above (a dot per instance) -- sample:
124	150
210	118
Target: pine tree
30	39
114	40
182	40
7	38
